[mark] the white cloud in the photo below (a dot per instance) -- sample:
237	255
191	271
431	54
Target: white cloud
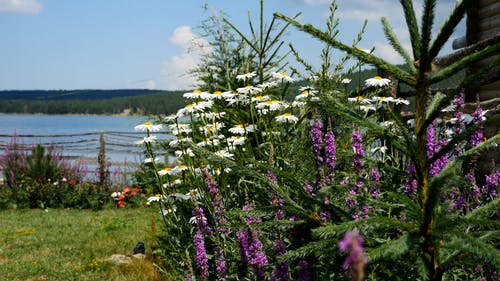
175	70
20	6
317	2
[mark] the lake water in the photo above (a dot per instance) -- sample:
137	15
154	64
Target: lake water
78	135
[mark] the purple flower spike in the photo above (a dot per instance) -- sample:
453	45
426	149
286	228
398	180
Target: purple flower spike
352	243
330	150
201	254
317	141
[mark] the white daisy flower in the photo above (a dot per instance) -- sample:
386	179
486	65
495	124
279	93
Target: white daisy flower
242	129
387	123
180	153
208	142
172	117
172	183
236	140
217	95
383	99
166	171
167	211
382	149
229	94
345	81
401	101
377	81
176	142
298	104
367	107
246	76
116	194
150	160
305	93
212	128
282	76
249	90
196	94
360	99
272	105
155	198
177	196
225	153
148	126
267	85
194	193
149	139
260	98
286	118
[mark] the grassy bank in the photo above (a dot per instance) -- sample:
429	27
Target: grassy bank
73	244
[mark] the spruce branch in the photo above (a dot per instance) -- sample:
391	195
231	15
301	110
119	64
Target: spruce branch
389	34
393	249
426	30
411	22
397	72
464	62
449	25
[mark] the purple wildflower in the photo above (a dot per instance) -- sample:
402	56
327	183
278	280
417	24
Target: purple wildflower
459	105
433	146
352	243
493	179
330	150
220	264
217	202
201	254
477	117
303	272
309	189
201	221
375	175
280	273
317	141
357	147
410	186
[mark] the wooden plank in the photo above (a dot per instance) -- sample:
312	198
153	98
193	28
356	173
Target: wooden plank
484	3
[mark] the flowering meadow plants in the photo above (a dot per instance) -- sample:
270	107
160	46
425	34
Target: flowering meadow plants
330	183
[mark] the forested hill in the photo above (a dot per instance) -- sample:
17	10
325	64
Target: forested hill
102	102
73	94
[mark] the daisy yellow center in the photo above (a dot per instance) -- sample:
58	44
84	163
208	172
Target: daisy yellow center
359	97
248	86
217	93
305	92
196	92
191	105
286	114
182	167
258	97
284	73
147	123
167	169
271	101
377	77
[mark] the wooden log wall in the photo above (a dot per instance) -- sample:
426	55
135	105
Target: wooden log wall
483	23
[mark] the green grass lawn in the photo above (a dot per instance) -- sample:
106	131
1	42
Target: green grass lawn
74	244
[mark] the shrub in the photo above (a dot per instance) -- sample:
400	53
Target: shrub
264	188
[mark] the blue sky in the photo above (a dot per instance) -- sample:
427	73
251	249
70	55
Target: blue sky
117	44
